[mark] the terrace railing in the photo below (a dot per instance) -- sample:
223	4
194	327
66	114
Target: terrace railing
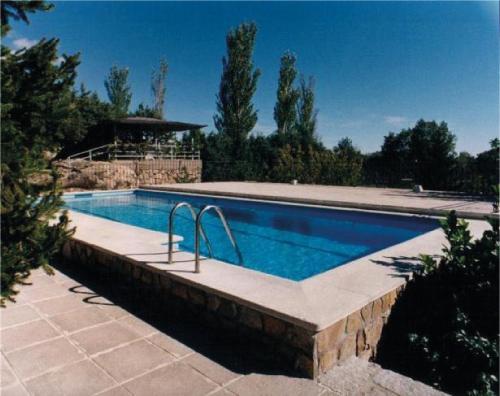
171	150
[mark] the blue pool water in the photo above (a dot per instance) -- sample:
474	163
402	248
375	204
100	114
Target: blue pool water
289	241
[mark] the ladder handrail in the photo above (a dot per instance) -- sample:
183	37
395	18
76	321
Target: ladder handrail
199	229
171	229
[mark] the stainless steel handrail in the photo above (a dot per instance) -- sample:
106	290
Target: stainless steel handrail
199	229
171	229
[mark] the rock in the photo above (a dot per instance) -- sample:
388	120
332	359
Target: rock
95	175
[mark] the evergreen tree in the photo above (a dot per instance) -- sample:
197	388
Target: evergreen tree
36	108
285	110
118	91
158	88
17	10
306	114
236	116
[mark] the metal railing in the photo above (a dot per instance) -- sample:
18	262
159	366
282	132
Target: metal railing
89	154
199	232
138	151
199	229
171	229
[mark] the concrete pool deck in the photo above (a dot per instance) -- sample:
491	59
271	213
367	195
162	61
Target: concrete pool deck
70	334
385	199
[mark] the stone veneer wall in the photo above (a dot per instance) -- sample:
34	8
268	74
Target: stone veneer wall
151	172
307	352
83	174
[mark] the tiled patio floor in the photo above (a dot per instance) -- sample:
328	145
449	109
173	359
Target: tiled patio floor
71	335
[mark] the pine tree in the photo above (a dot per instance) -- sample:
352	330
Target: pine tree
236	115
36	106
285	112
118	91
158	88
17	10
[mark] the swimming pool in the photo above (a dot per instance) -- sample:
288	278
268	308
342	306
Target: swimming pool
290	241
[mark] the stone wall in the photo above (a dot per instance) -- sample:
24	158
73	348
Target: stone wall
305	351
83	174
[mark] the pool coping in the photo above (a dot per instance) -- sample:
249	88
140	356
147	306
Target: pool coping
314	303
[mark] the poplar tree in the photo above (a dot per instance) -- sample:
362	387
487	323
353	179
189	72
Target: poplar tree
118	91
285	112
159	89
306	113
236	115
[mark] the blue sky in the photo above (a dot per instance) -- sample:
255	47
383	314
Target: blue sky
378	66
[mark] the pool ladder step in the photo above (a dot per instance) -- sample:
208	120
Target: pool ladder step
200	232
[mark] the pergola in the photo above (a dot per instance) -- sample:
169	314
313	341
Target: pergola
145	128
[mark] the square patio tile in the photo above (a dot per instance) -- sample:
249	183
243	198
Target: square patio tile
37	359
14	315
110	309
80	379
106	336
170	344
7	376
116	391
33	293
79	319
175	379
59	305
211	369
270	385
132	360
14	390
138	325
26	334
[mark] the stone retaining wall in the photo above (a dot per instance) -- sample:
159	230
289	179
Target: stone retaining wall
83	174
308	352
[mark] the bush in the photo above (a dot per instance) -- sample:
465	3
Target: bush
444	328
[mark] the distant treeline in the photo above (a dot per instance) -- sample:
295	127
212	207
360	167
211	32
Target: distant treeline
424	154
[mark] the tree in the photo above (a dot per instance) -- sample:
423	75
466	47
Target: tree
432	151
285	110
236	116
145	111
158	88
36	108
306	114
17	10
396	161
118	91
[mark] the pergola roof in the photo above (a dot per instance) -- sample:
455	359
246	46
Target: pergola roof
154	124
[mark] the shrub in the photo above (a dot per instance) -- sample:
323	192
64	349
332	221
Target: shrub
444	328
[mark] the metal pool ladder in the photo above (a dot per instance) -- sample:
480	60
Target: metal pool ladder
171	229
199	231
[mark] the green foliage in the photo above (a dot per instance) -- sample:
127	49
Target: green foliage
18	10
236	115
444	327
31	235
37	97
306	114
38	115
146	111
118	90
159	89
424	153
285	112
